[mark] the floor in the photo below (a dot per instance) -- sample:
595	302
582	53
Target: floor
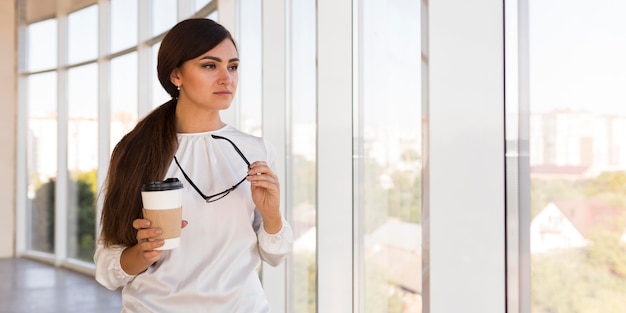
28	286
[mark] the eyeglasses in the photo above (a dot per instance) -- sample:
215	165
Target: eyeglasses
217	196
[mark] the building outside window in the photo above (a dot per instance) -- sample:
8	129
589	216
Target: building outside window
577	156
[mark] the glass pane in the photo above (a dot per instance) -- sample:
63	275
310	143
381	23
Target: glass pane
159	95
82	161
41	49
164	14
250	93
578	155
124	97
388	169
41	154
83	35
302	164
123	24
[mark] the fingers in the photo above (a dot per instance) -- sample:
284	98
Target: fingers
260	173
141	223
265	188
148	249
258	168
146	236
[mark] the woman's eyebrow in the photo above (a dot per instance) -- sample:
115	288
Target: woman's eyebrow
218	59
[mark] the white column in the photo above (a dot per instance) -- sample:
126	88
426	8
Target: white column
274	58
334	157
104	103
464	180
144	57
61	185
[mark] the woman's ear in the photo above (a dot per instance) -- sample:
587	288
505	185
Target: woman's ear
175	77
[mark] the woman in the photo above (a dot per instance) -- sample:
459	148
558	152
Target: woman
230	205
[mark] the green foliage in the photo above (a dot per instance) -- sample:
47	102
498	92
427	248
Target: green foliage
590	279
380	295
606	250
543	192
84	189
389	193
398	196
611	182
372	196
566	282
304	176
42	208
81	215
304	282
609	186
405	199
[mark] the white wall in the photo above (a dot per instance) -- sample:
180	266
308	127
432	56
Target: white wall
464	181
8	118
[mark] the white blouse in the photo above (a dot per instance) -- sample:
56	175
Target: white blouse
215	267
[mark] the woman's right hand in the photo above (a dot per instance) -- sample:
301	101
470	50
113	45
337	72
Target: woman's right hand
138	258
147	242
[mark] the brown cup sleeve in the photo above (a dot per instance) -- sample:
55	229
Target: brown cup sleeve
168	220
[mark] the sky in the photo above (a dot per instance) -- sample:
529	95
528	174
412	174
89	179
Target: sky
578	55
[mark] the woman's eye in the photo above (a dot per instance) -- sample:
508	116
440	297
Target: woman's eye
210	65
233	67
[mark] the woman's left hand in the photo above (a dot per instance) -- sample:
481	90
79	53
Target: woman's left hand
266	195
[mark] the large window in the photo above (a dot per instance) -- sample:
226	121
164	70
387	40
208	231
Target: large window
41	135
577	155
68	83
41	149
82	161
83	35
388	144
302	157
163	15
124	96
249	96
124	26
352	133
41	41
81	104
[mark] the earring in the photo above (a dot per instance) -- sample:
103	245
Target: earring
178	88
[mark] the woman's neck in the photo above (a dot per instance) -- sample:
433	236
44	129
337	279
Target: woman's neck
197	121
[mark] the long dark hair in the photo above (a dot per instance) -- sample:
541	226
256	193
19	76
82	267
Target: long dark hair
146	152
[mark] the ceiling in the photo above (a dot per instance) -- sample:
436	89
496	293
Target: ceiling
37	10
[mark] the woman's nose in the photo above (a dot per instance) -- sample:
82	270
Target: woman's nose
225	78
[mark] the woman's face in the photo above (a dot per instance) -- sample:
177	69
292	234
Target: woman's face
210	80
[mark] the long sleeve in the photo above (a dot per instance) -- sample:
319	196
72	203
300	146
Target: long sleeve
109	272
274	248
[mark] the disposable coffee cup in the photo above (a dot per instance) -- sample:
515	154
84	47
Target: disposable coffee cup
162	205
